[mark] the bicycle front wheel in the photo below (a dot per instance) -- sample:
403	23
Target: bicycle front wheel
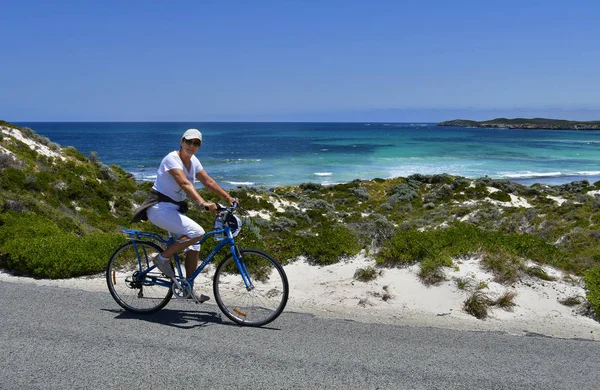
133	290
259	303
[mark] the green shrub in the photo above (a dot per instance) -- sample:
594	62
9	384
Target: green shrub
366	274
297	215
12	179
250	201
592	285
310	187
405	247
282	223
4	123
431	272
72	152
444	192
361	192
316	204
250	238
410	246
505	266
9	161
500	196
379	229
331	243
34	246
284	246
439	246
63	255
430	179
478	192
403	193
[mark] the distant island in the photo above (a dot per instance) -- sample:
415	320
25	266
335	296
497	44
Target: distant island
523	123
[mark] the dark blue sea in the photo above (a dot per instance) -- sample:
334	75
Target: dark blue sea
276	154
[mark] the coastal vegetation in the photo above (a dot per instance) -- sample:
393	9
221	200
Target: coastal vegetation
61	215
523	123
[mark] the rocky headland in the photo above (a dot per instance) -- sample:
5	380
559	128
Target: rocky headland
521	123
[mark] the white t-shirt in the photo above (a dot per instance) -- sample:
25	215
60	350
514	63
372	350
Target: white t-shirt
166	184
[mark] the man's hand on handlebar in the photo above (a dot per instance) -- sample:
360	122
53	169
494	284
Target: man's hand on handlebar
209	206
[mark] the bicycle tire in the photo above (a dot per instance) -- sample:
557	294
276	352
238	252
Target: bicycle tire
256	307
138	296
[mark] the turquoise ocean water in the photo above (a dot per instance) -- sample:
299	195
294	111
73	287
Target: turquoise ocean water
275	154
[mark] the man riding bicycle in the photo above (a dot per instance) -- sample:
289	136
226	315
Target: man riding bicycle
165	207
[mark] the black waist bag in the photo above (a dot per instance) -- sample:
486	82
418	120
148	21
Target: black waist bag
152	199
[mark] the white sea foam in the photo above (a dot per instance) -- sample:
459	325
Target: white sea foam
528	174
588	173
240	183
241	160
323	174
142	176
531	174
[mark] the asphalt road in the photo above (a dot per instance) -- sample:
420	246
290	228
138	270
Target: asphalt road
54	337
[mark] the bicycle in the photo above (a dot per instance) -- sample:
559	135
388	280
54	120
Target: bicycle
250	287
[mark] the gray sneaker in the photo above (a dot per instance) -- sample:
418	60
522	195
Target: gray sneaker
201	298
164	266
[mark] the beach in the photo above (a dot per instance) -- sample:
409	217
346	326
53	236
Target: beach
397	296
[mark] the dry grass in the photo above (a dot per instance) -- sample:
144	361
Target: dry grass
539	273
506	301
571	301
477	305
366	274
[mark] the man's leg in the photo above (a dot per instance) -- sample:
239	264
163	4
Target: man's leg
191	262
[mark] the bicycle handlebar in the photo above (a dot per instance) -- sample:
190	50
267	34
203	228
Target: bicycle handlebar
221	207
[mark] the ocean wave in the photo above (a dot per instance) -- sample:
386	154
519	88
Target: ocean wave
534	175
240	183
141	176
588	173
237	160
529	174
323	173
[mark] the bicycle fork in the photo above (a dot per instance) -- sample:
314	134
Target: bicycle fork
237	257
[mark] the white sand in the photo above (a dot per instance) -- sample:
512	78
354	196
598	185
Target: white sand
332	291
34	145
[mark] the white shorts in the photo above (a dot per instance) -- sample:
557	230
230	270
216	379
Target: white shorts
166	216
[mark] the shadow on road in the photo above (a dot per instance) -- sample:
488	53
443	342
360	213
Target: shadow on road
183	319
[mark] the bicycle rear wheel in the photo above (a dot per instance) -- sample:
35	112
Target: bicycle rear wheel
258	305
131	290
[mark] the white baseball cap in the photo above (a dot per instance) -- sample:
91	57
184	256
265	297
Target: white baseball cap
192	134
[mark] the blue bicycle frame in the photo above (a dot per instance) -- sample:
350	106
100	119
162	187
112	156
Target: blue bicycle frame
228	240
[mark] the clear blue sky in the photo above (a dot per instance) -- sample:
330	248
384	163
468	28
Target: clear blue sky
310	60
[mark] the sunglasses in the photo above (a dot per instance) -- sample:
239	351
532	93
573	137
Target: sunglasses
194	142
